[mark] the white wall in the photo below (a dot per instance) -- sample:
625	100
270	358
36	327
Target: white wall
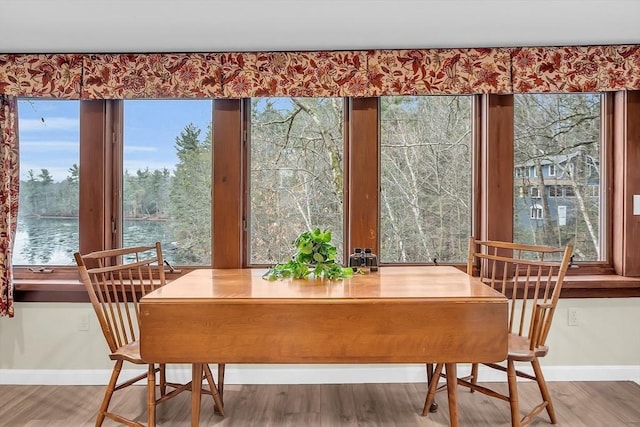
42	345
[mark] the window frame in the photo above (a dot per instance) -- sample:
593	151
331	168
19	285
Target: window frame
555	191
492	123
536	212
534	192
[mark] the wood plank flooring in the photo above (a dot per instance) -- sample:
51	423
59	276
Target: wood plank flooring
578	404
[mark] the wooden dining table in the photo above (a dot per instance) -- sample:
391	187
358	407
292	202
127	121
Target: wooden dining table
421	314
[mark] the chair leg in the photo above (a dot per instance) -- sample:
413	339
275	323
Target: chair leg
109	392
431	392
221	367
544	391
474	375
513	394
429	372
163	379
151	396
434	405
214	390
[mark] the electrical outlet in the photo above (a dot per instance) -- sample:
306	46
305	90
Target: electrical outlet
83	322
572	318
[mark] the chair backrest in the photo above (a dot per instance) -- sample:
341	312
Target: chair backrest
530	275
115	281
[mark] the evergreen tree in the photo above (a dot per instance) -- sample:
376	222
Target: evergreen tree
190	196
74	174
188	141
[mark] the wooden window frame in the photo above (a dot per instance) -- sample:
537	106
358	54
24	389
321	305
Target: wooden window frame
493	181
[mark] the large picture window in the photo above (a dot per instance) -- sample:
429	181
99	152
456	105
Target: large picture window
558	136
296	174
167	178
47	232
426	178
105	173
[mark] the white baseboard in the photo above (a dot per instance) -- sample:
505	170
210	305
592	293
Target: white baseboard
314	374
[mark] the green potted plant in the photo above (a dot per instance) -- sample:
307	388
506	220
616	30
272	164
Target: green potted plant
315	255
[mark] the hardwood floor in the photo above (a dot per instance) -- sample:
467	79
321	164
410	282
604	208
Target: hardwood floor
591	404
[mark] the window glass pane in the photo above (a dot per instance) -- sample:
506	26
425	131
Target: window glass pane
296	181
167	178
47	232
426	178
558	137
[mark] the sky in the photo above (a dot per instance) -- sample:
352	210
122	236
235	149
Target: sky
49	133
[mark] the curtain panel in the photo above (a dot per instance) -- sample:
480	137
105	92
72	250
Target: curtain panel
9	184
322	73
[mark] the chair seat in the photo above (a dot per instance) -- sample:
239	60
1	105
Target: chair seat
519	349
129	352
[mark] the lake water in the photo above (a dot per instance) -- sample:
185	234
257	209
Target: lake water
53	241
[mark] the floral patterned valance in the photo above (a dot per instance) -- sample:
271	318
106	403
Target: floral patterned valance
134	76
576	69
54	76
435	71
322	73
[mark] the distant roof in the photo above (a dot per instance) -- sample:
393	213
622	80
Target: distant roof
556	160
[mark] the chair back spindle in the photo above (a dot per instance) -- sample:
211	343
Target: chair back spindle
115	281
531	276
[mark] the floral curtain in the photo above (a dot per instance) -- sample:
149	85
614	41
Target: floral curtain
9	183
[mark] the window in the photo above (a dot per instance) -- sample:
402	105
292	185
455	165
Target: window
562	130
288	173
296	174
552	169
47	232
569	191
536	212
167	178
591	191
555	191
425	200
534	192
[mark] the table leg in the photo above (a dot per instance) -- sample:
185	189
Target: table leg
196	392
452	382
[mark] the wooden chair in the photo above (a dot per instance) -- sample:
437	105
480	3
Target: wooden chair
531	277
115	281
